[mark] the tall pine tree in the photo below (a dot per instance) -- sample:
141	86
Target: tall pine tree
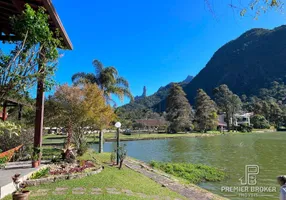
179	110
227	102
206	112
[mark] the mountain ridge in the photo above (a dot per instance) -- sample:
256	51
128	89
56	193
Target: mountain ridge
245	64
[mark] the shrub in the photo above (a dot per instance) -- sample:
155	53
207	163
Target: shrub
195	173
259	122
41	173
26	137
243	128
113	156
3	161
83	147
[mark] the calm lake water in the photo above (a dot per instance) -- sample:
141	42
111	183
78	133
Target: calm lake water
229	152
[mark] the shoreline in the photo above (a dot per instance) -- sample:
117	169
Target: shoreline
152	136
190	191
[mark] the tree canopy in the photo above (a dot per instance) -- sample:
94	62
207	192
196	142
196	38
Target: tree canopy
179	110
107	79
37	48
206	112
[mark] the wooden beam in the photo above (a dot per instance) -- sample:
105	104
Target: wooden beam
6	3
11	10
19	5
58	24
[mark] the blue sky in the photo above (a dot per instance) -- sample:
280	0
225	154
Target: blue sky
150	42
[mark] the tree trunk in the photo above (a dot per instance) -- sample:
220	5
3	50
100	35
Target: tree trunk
100	150
121	163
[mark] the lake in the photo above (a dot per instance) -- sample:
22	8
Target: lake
229	152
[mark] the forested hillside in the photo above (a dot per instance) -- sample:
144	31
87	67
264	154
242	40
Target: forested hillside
246	64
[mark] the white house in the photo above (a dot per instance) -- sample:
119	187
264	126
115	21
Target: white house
238	119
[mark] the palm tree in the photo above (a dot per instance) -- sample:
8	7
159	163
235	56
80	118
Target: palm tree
108	81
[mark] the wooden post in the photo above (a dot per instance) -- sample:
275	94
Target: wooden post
4	111
39	121
20	112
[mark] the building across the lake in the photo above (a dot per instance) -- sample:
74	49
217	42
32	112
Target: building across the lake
151	123
239	119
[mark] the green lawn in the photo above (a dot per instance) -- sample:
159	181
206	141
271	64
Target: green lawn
110	177
49	140
58	140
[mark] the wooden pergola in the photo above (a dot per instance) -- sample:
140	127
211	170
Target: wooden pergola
12	103
9	8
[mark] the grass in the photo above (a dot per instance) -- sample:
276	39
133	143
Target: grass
110	177
59	139
49	152
194	173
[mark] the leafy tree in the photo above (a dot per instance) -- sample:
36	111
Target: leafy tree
76	108
179	110
227	102
253	8
107	79
36	48
98	113
259	121
65	109
206	112
276	113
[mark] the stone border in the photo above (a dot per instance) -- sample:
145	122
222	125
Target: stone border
53	179
190	191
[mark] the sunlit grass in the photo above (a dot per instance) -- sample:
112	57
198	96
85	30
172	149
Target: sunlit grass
110	177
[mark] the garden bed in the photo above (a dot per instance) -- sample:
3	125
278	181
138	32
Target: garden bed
64	171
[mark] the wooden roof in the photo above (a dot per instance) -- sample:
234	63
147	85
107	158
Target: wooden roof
9	8
151	122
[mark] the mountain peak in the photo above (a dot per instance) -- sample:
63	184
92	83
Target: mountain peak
188	79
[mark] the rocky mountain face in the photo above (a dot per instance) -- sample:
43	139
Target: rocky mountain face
153	101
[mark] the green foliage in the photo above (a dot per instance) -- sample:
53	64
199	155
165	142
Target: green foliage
227	102
179	111
36	153
36	48
10	128
206	112
3	161
83	147
122	152
42	173
195	173
107	79
259	121
243	128
246	64
113	156
154	103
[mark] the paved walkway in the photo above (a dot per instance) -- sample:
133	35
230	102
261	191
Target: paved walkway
190	191
23	168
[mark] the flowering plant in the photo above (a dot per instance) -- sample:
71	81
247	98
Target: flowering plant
19	185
